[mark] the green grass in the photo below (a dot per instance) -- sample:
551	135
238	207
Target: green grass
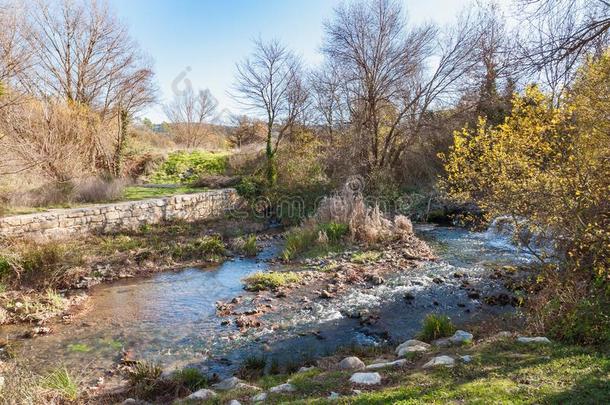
502	372
79	348
366	257
191	378
436	326
249	247
134	193
204	248
186	167
270	280
61	382
306	242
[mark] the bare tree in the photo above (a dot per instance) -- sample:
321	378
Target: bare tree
393	75
557	36
189	113
328	99
15	53
83	53
270	83
246	130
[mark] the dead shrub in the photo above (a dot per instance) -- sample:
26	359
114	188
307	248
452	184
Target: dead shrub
95	189
366	224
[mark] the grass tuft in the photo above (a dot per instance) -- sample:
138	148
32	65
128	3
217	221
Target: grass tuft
270	280
62	383
436	326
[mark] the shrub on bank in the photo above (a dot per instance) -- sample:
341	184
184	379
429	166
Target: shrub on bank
270	280
186	167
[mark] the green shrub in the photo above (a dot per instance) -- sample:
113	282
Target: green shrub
334	231
588	322
366	257
298	240
270	281
144	378
249	247
191	378
436	326
186	167
250	188
61	382
205	248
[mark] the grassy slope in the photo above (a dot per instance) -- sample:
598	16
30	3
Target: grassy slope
501	372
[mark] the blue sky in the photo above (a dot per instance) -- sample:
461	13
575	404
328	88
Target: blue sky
209	37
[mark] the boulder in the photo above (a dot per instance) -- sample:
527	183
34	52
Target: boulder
440	361
410	346
260	397
202	395
395	363
460	337
366	378
227	384
444	342
283	388
351	363
535	339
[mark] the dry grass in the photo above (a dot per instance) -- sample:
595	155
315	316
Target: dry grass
366	224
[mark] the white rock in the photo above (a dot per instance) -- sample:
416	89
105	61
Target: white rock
441	342
440	361
283	388
410	346
366	378
260	397
357	392
234	402
461	337
351	363
202	394
333	395
395	363
535	339
304	369
227	384
466	359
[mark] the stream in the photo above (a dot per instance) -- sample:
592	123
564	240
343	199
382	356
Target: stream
170	317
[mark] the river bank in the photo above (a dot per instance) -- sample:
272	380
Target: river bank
352	298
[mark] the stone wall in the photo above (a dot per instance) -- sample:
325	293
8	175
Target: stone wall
119	216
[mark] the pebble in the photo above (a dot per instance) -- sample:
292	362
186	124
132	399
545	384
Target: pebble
411	345
283	388
440	361
351	363
366	378
227	384
461	337
202	395
535	339
395	363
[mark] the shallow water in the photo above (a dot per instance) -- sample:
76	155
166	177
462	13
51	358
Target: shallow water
171	318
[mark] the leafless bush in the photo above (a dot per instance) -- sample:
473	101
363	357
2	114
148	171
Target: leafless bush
95	189
366	224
